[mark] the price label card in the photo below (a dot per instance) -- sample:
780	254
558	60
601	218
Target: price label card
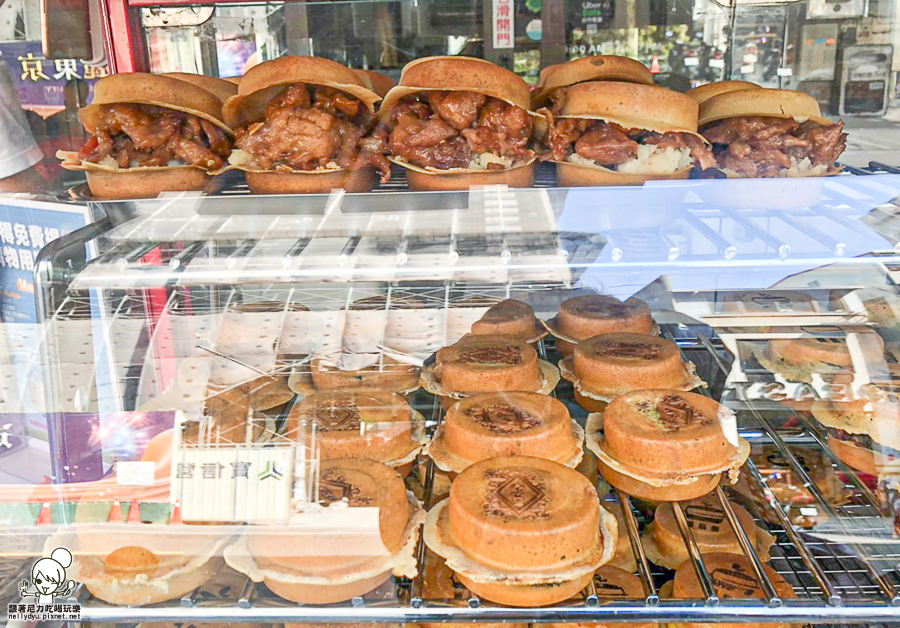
135	473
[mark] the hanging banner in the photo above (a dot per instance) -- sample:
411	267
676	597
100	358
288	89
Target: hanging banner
504	23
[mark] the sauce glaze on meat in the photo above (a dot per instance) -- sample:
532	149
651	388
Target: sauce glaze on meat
310	127
146	135
609	145
756	146
447	129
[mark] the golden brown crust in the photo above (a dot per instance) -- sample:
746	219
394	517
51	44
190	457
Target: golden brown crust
325	594
465	74
323	182
379	83
263	82
151	89
518	177
587	315
595	68
220	88
705	92
526	594
632	106
776	103
144	183
732	577
574	175
488	364
642	490
857	457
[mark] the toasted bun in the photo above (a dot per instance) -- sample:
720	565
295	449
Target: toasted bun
152	89
575	175
596	68
857	457
220	88
526	594
379	83
423	180
148	183
777	103
460	74
705	92
265	81
233	79
675	493
632	106
325	593
321	182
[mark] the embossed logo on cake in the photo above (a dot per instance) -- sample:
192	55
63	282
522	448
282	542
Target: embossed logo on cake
734	581
605	588
608	308
333	487
704	518
515	495
342	416
502	418
504	354
635	350
675	413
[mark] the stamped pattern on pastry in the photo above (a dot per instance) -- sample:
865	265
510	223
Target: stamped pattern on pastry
734	581
675	413
514	495
504	354
502	418
333	487
605	588
341	416
636	350
704	517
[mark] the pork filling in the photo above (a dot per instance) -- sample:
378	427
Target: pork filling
757	146
629	150
444	130
864	441
129	136
308	128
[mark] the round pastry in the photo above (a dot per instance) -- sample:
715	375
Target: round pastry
665	445
302	566
488	425
864	434
797	359
705	92
732	577
220	88
510	318
522	531
357	423
589	315
554	79
268	392
609	365
387	374
710	528
226	419
611	584
487	364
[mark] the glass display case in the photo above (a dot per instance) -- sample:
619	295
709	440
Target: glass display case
279	371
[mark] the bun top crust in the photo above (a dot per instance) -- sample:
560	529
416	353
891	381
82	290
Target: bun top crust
265	81
776	103
458	74
152	89
596	68
632	106
705	92
379	83
220	88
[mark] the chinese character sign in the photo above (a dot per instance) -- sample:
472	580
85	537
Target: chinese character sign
39	81
504	24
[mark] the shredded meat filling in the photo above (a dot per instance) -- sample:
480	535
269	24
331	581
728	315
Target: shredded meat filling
610	145
756	146
444	129
145	135
312	127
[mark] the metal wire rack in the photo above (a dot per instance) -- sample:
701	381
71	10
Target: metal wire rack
833	582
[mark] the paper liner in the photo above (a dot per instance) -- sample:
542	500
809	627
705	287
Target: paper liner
552	325
450	463
549	380
301	383
401	564
764	542
123	581
595	443
566	372
436	538
70	161
431	170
